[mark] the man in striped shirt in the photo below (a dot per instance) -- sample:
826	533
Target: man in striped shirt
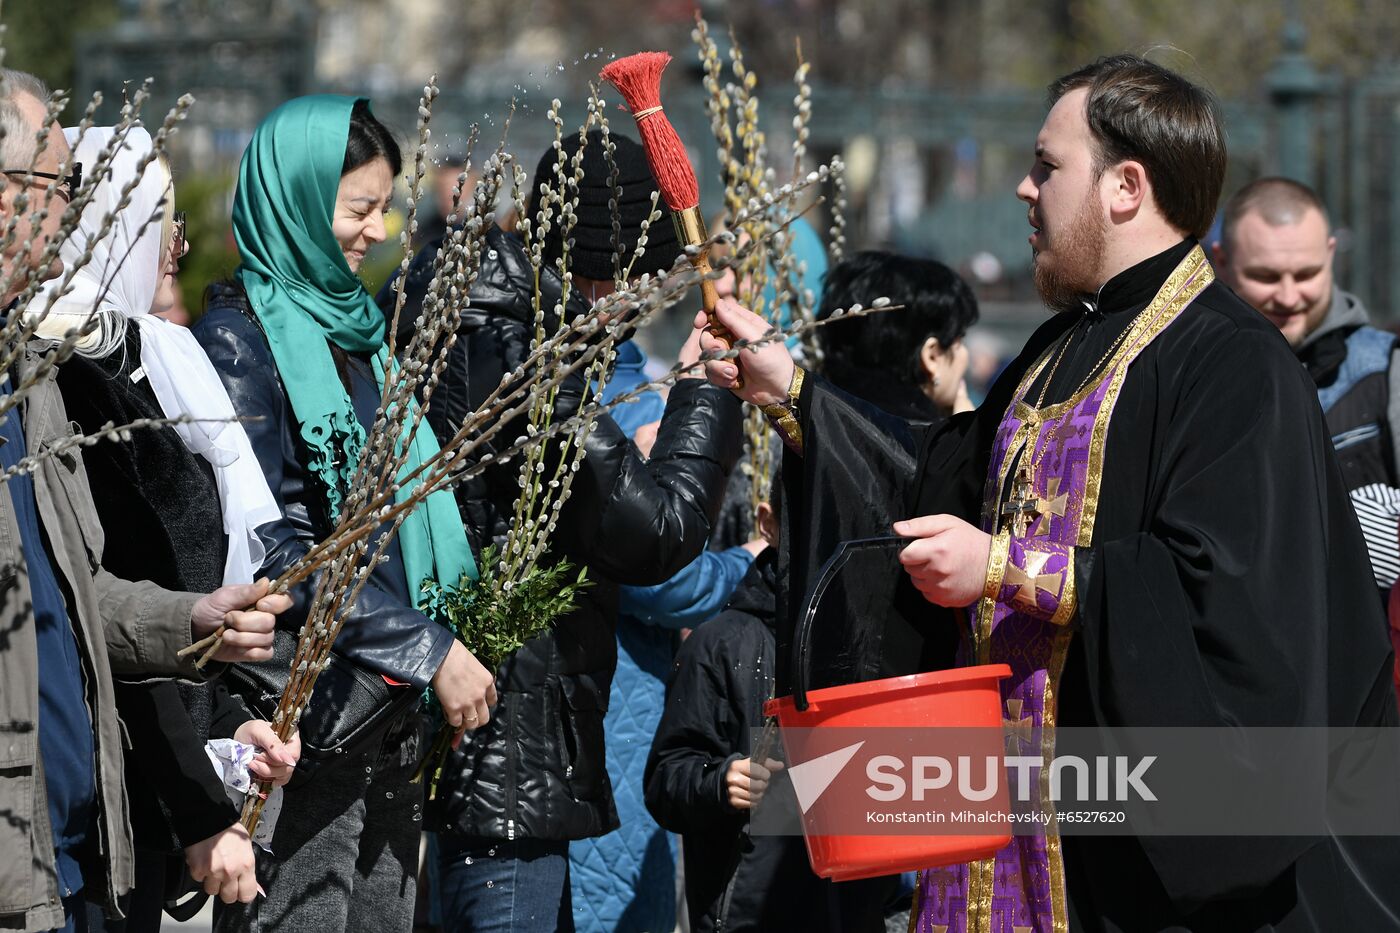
1276	251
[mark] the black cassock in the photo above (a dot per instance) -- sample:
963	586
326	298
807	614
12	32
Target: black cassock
1227	585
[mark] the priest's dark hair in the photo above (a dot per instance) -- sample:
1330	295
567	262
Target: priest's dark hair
369	140
1141	111
1281	202
936	303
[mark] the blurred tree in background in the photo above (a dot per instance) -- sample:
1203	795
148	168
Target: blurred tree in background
206	200
39	34
931	103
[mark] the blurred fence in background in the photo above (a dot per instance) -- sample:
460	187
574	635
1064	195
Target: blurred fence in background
931	172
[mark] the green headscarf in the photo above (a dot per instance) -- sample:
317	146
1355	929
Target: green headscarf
303	292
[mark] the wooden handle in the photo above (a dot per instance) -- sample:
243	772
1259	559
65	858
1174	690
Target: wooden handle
690	230
709	295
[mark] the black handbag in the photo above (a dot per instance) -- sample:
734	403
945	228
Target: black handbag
350	707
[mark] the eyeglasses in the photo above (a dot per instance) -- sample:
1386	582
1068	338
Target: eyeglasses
67	184
179	246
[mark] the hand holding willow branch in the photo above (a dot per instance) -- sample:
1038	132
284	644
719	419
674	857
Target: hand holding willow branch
246	613
466	690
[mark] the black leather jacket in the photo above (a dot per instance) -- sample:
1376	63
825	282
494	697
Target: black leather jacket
537	769
383	634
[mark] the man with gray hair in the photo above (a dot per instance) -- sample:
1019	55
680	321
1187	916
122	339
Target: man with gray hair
69	626
1276	251
34	194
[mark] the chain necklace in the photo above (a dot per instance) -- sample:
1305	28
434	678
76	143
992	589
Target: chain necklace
1050	377
1024	504
1112	349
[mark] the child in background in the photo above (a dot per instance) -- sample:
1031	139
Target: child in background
700	781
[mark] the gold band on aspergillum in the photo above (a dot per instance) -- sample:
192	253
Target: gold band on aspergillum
690	226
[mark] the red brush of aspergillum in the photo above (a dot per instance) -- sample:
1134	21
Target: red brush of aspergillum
638	79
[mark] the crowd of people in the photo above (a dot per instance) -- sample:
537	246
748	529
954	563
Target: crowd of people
1156	516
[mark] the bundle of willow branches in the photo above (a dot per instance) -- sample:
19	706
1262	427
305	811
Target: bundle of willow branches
733	107
517	596
384	490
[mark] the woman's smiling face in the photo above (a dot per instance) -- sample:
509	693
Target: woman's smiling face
360	204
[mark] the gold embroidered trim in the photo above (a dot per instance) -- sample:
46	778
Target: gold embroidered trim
1065	610
783	416
996	564
1054	856
1183	287
1192	264
981	878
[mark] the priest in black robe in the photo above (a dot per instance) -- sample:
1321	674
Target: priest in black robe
1148	494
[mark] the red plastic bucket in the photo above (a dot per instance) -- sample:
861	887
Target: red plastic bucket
963	698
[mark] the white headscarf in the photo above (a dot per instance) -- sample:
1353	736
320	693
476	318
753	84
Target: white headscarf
121	279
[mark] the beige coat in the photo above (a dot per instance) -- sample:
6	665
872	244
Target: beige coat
123	628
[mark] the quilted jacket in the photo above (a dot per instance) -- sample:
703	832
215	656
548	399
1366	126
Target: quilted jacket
626	881
538	768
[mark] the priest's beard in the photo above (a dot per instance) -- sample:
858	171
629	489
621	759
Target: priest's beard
1069	270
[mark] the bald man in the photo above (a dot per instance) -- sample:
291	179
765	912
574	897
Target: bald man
1276	251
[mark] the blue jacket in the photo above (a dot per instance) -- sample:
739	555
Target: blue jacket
625	881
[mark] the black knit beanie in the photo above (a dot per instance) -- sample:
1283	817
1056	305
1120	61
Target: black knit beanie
591	254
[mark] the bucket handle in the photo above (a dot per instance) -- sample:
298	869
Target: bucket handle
801	646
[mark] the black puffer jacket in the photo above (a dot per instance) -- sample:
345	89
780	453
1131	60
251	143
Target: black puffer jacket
737	881
382	634
537	769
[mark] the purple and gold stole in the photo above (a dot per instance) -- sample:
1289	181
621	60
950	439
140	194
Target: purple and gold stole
1058	453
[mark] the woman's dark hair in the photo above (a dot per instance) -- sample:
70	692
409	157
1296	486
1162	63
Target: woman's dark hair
370	140
936	303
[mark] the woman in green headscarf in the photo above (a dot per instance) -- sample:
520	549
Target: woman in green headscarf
299	344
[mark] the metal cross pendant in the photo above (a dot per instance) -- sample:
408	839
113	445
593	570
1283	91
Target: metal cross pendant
1024	505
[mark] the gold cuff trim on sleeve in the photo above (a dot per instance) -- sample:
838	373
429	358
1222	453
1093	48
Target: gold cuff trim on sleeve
783	416
795	389
1065	610
996	565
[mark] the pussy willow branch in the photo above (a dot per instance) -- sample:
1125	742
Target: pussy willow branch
74	210
450	470
21	202
111	431
20	328
648	298
493	414
415	192
540	499
385	448
576	346
836	240
803	118
717	104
